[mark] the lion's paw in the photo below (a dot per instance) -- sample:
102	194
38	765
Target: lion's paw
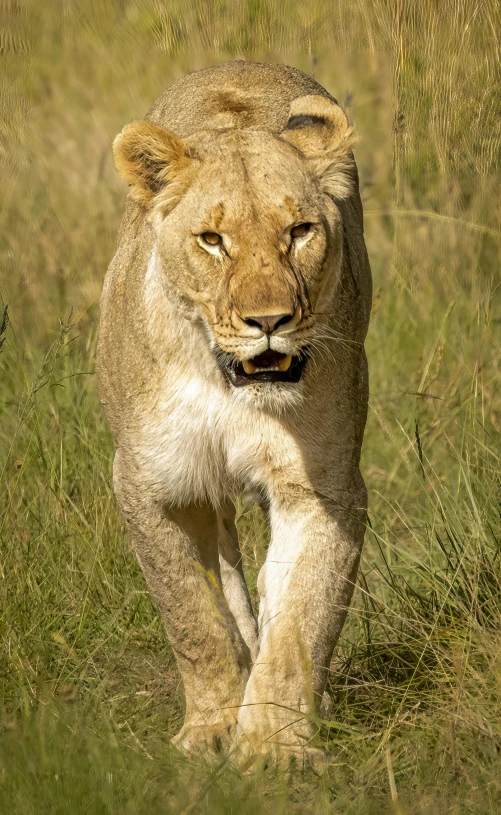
212	740
248	755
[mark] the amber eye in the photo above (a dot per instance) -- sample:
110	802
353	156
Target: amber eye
300	231
212	238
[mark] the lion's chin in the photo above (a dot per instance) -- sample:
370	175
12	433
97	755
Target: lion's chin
275	398
268	367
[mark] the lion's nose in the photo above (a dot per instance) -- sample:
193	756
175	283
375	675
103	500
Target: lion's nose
269	322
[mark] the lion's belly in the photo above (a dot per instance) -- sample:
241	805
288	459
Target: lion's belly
200	443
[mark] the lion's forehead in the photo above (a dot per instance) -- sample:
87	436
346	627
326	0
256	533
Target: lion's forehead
258	159
239	186
284	206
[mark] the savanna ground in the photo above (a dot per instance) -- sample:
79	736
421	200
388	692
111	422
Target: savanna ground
90	695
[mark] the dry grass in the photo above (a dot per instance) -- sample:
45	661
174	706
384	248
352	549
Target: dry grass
90	693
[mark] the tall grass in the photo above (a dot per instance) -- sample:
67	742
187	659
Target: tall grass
90	691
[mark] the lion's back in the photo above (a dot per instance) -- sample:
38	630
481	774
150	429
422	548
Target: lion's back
234	94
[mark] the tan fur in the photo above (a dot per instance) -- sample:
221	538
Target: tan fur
247	151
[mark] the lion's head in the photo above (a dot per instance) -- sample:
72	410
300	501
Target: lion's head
248	230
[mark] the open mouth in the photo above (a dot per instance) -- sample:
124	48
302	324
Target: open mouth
267	367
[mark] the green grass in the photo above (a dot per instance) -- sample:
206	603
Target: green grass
90	694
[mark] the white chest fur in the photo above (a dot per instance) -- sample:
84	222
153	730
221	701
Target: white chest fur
200	443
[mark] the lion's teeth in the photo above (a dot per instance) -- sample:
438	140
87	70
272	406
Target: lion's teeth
249	366
279	365
285	363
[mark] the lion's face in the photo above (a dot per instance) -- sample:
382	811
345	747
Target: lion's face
249	242
249	233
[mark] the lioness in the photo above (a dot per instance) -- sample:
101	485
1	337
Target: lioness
231	359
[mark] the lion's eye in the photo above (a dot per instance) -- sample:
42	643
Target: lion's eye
212	238
300	231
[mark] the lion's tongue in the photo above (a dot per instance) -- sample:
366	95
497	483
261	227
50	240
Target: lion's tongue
268	361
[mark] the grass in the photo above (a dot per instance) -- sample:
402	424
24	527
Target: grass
90	694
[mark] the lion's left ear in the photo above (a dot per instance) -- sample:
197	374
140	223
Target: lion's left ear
151	160
319	129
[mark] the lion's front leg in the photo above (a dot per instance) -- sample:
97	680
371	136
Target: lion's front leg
178	552
305	585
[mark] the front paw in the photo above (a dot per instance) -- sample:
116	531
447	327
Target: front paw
211	740
273	736
247	756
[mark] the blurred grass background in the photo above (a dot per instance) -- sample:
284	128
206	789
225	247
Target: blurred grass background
90	695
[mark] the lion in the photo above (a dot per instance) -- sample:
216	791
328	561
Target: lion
231	360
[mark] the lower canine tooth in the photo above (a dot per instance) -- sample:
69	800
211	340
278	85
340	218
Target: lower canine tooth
249	367
285	363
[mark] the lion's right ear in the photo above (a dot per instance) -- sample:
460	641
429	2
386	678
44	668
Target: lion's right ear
319	129
149	158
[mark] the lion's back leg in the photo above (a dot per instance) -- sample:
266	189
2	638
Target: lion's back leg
233	580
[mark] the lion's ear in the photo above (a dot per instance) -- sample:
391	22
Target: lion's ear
149	158
319	129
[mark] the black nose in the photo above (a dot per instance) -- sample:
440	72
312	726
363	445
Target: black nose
268	323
